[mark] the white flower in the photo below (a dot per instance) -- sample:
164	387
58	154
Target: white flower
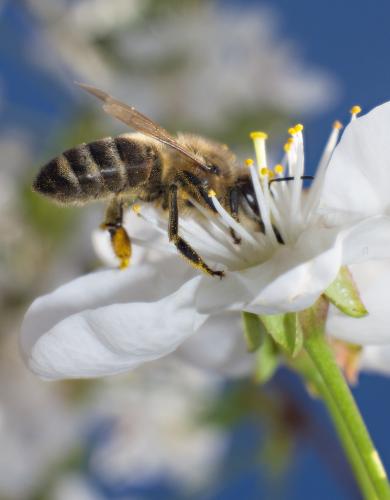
110	321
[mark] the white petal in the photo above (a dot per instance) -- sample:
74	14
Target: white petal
219	345
373	281
369	239
139	228
358	177
115	338
376	359
144	283
291	280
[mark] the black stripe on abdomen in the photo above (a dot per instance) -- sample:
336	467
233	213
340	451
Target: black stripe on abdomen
136	159
82	164
105	155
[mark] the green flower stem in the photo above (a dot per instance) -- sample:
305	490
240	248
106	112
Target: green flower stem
353	456
348	421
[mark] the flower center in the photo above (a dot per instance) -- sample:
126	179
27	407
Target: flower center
285	209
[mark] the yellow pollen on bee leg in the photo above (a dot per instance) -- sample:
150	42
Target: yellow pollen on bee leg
278	169
211	193
338	125
355	110
121	246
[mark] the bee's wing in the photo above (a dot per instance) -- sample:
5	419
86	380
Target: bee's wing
130	116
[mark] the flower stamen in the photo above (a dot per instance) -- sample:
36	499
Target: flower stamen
228	219
317	185
355	110
261	192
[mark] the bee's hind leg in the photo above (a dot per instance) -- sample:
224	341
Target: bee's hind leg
120	240
182	246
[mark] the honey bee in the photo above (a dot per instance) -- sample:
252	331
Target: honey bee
150	166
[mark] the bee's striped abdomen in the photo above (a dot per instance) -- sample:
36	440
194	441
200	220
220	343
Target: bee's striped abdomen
99	169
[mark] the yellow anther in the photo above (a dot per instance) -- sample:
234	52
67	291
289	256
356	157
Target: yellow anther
287	147
291	131
298	127
271	174
338	125
264	171
258	135
290	140
136	208
355	110
279	169
212	193
249	162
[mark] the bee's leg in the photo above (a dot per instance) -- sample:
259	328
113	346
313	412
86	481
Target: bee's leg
120	240
234	199
182	246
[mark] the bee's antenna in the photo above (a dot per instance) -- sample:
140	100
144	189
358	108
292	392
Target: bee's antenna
280	179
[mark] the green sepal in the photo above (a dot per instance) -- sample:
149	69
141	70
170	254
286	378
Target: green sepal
267	360
344	294
285	329
253	331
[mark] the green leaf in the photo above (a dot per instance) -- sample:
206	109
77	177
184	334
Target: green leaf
267	360
286	331
344	294
253	331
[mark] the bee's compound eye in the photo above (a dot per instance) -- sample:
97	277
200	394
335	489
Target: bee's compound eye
214	169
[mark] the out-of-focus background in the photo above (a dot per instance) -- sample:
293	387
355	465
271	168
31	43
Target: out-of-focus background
220	69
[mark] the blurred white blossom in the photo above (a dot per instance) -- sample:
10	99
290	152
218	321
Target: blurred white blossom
202	63
228	61
75	486
37	427
157	430
73	27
